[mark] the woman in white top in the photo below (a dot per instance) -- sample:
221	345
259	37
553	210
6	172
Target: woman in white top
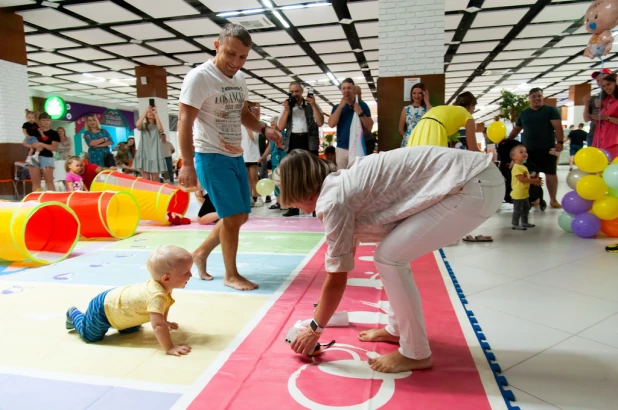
65	146
413	201
251	153
412	114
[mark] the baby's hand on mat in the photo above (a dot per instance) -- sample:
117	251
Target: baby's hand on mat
172	325
178	350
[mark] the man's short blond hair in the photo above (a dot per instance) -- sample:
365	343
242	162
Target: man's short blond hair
165	259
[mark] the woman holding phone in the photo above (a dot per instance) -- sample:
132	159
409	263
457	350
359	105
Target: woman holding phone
149	157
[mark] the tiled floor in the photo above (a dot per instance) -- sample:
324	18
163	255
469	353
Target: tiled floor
548	303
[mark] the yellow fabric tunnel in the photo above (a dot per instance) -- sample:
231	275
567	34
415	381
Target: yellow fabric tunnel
102	215
43	233
154	198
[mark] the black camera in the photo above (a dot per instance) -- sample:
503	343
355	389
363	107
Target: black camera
291	100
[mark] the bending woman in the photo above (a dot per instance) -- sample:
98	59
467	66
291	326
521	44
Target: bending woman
443	121
427	199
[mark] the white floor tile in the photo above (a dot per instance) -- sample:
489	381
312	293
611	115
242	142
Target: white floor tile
560	309
514	340
473	280
527	402
576	278
575	374
603	332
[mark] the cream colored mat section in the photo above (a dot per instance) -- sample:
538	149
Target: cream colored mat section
34	335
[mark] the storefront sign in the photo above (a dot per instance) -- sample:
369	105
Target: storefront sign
55	107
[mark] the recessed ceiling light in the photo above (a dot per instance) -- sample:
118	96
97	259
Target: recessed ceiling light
296	6
357	50
267	3
346	21
472	9
229	13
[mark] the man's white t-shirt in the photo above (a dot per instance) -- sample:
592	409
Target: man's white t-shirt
217	129
299	121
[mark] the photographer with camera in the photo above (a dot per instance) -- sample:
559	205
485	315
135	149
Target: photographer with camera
301	119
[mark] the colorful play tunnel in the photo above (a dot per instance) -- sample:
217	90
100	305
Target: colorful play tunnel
42	233
101	214
154	198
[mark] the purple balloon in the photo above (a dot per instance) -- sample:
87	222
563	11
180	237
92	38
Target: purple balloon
607	154
586	225
575	204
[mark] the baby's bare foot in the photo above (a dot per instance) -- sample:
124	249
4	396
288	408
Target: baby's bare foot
395	362
240	283
377	335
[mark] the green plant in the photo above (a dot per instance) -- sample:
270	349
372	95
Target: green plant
512	104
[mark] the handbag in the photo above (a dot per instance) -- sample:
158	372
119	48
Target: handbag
109	161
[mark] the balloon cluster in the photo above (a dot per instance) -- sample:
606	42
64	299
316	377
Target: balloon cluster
593	205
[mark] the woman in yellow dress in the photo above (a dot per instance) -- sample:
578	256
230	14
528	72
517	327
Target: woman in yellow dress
441	125
443	121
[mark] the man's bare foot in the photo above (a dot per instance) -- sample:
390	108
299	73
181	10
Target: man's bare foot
377	335
395	362
199	260
240	283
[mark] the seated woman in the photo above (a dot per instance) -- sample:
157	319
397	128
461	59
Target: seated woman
430	197
207	214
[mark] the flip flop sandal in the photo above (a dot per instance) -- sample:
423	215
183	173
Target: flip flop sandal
613	248
477	238
275	206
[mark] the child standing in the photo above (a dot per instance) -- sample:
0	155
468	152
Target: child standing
127	308
31	132
520	184
74	180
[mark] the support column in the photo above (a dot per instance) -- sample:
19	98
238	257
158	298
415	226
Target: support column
151	82
14	97
411	48
577	93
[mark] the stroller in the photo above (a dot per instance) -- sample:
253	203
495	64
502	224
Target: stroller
504	156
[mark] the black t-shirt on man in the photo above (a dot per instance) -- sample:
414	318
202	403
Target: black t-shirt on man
50	136
578	137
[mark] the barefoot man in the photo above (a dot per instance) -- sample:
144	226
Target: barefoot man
212	108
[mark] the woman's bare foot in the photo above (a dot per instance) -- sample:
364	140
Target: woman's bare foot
239	282
395	362
199	260
377	335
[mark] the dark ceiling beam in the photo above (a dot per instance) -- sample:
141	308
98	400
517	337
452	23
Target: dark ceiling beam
464	25
343	12
515	31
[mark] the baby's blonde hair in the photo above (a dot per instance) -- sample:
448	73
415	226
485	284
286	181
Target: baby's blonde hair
69	161
300	176
165	259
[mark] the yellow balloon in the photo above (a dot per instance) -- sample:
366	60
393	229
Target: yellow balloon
591	187
591	159
265	187
606	208
496	132
615	161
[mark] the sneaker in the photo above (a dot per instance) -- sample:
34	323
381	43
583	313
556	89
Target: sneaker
258	202
35	157
518	228
527	225
29	161
292	212
69	322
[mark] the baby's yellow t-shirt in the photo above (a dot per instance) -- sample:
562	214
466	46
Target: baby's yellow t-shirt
519	189
131	305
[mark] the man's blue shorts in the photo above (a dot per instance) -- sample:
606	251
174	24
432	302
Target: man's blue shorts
226	181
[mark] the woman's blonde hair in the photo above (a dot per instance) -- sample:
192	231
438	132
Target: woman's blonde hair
69	161
96	119
300	176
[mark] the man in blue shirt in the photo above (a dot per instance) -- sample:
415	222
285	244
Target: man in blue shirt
341	117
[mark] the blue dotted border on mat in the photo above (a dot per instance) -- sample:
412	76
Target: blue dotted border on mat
491	358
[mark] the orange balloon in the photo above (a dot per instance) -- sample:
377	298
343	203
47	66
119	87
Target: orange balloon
610	228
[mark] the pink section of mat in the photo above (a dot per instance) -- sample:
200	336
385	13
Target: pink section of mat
257	224
263	373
